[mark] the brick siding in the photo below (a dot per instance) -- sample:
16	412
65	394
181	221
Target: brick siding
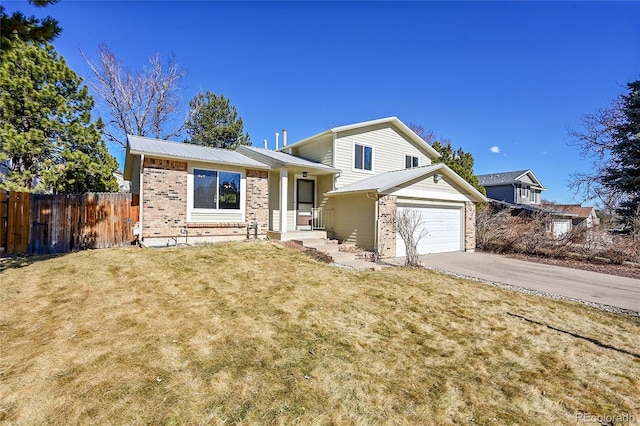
387	226
469	226
165	204
164	197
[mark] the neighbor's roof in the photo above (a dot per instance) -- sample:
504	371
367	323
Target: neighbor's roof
280	159
572	208
506	178
137	145
395	121
389	180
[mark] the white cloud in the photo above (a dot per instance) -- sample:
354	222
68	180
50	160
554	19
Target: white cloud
495	149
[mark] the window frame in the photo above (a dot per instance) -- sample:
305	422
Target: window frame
216	211
415	161
353	163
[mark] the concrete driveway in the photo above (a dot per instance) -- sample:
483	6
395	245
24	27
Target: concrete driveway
585	285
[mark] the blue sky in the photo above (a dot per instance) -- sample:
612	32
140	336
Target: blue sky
511	75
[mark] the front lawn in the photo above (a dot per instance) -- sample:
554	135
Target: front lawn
256	333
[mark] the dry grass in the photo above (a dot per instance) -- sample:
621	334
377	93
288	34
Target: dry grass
260	334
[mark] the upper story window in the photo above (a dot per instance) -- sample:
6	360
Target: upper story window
363	157
214	189
411	161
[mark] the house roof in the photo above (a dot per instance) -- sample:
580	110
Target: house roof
389	180
507	178
281	159
138	145
394	121
576	209
558	213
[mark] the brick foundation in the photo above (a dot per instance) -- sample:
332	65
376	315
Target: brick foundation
387	225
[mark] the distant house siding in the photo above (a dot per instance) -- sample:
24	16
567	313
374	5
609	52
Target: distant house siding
501	193
389	149
526	179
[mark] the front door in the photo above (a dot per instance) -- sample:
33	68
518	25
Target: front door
305	195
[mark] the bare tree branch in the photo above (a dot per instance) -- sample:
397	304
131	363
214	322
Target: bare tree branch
409	225
141	103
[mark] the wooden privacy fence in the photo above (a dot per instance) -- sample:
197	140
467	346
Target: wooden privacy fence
41	223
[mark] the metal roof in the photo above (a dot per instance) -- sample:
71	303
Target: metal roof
282	158
505	178
390	180
186	151
387	180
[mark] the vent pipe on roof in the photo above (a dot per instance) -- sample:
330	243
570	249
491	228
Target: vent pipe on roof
277	134
284	137
265	143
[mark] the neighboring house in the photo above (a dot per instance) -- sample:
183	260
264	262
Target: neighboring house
123	185
348	183
584	216
521	191
519	187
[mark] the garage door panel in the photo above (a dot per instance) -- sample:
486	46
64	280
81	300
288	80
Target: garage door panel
443	226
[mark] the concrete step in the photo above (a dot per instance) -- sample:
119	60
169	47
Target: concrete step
361	264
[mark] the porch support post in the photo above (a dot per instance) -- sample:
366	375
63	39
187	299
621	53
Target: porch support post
284	186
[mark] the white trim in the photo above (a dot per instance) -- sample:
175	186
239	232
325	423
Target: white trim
353	158
429	194
284	189
214	212
141	197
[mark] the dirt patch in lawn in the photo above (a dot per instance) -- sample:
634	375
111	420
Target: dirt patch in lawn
257	333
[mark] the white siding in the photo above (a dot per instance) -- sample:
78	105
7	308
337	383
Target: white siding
320	150
526	179
389	149
324	185
274	203
354	220
426	188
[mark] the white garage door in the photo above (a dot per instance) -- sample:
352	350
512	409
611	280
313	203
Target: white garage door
560	227
443	226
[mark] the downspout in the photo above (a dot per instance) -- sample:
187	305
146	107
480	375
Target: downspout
141	197
376	222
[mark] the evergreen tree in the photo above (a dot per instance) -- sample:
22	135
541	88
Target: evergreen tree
17	26
214	122
47	138
622	175
460	162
